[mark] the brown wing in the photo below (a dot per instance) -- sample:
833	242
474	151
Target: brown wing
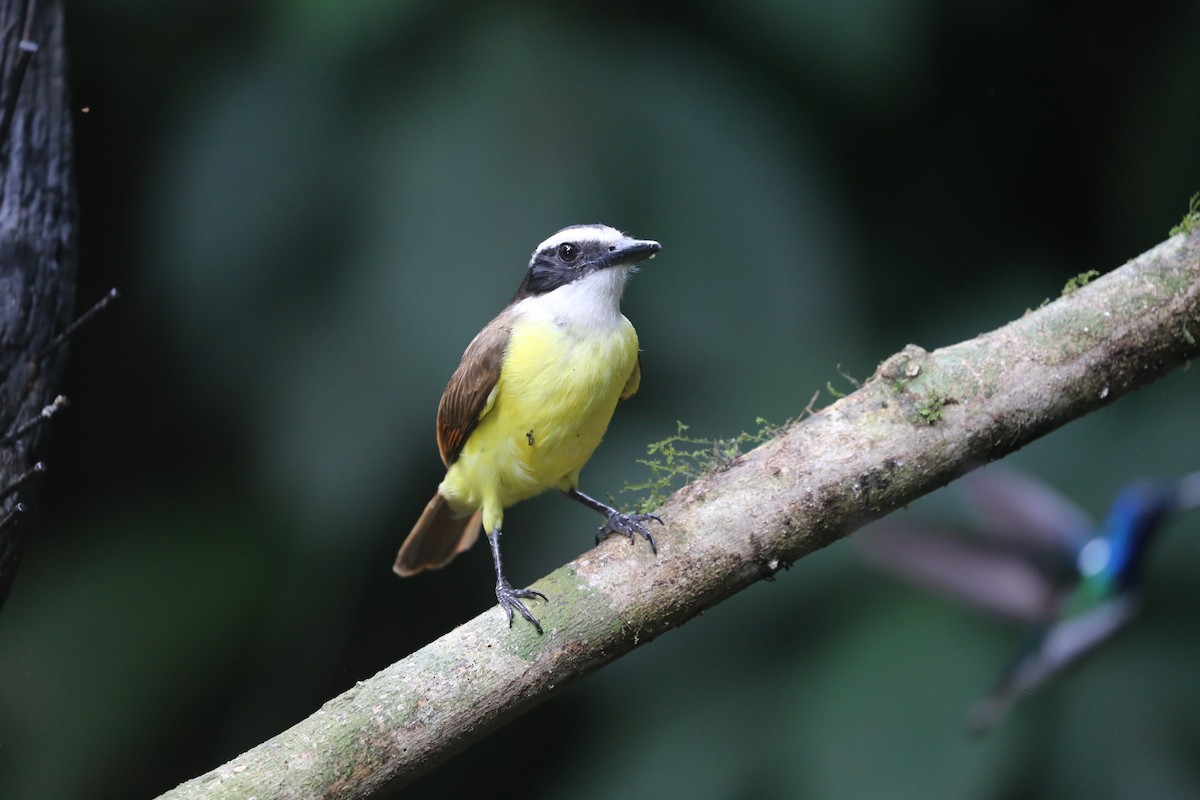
469	393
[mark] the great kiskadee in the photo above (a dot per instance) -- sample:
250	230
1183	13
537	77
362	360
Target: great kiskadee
531	400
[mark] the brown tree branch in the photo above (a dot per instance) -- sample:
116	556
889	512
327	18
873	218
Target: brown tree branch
923	419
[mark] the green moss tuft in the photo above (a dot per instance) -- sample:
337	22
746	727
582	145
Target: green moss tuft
931	409
1079	281
850	379
1190	220
680	458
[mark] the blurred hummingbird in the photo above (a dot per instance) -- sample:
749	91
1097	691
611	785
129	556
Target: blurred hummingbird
1041	561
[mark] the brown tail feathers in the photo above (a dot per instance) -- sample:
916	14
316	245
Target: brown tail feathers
439	535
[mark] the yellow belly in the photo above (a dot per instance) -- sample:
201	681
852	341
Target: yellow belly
555	397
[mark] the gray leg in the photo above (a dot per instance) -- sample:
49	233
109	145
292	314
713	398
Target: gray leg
505	593
617	522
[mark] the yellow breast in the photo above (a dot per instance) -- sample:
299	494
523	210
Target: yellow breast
558	387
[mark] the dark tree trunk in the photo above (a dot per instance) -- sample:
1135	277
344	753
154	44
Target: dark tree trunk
37	249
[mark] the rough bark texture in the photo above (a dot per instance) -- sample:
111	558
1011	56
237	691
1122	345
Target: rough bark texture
923	419
37	248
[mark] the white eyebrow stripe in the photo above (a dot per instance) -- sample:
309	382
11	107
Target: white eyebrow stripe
581	233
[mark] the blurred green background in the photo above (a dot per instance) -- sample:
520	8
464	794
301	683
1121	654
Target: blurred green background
311	206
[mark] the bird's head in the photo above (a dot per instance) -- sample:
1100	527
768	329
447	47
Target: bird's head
575	253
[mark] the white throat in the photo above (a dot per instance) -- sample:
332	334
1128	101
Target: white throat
591	304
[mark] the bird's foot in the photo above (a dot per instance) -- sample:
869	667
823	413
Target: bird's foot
510	600
628	525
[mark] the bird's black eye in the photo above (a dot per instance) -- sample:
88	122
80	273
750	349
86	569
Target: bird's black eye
568	252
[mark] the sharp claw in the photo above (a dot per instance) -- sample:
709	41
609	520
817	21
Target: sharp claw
628	525
508	598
